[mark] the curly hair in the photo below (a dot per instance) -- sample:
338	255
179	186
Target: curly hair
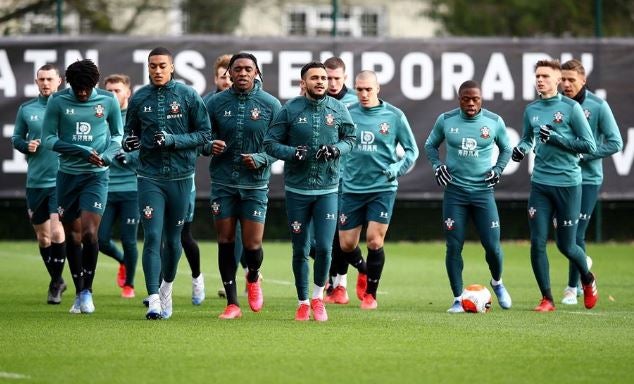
82	75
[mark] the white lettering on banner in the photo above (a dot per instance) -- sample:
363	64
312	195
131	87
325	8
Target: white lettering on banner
72	55
497	79
348	60
38	57
186	64
264	58
456	68
379	62
623	160
17	164
289	67
7	78
139	56
423	63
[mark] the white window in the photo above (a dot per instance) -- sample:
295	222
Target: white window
355	21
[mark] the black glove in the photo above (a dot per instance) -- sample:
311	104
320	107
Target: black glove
159	139
120	157
327	152
131	143
517	154
492	178
544	132
443	177
300	152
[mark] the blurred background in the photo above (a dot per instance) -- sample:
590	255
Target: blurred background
421	50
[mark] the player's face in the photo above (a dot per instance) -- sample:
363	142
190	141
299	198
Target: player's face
222	79
367	92
470	101
336	79
546	81
121	92
47	82
161	69
243	73
314	82
571	82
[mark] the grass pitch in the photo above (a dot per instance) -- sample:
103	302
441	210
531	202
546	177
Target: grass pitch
408	339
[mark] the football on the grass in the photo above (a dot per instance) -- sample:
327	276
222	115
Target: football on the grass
476	298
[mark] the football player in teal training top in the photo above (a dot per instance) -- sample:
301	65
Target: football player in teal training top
471	133
84	125
240	172
608	139
122	200
310	133
556	129
370	183
166	122
40	180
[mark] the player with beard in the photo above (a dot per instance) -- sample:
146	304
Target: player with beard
310	133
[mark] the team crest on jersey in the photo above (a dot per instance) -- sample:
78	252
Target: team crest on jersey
531	212
175	108
449	223
343	219
255	114
587	113
148	212
384	128
330	119
484	132
215	208
296	226
558	117
99	110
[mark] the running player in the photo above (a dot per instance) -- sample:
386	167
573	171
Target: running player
556	127
370	183
471	133
240	172
40	180
84	125
310	134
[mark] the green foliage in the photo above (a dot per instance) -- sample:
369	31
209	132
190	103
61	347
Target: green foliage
212	16
408	339
521	18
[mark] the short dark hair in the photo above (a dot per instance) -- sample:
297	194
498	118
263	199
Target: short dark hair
160	51
311	65
554	64
49	67
334	63
469	84
82	75
245	55
574	65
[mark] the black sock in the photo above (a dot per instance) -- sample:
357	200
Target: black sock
73	255
227	265
339	262
192	251
254	262
355	259
58	258
587	279
45	252
548	294
90	252
376	260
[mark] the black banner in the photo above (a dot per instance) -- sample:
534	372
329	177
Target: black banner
418	76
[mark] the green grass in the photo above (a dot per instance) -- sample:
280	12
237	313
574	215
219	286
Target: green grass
408	339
